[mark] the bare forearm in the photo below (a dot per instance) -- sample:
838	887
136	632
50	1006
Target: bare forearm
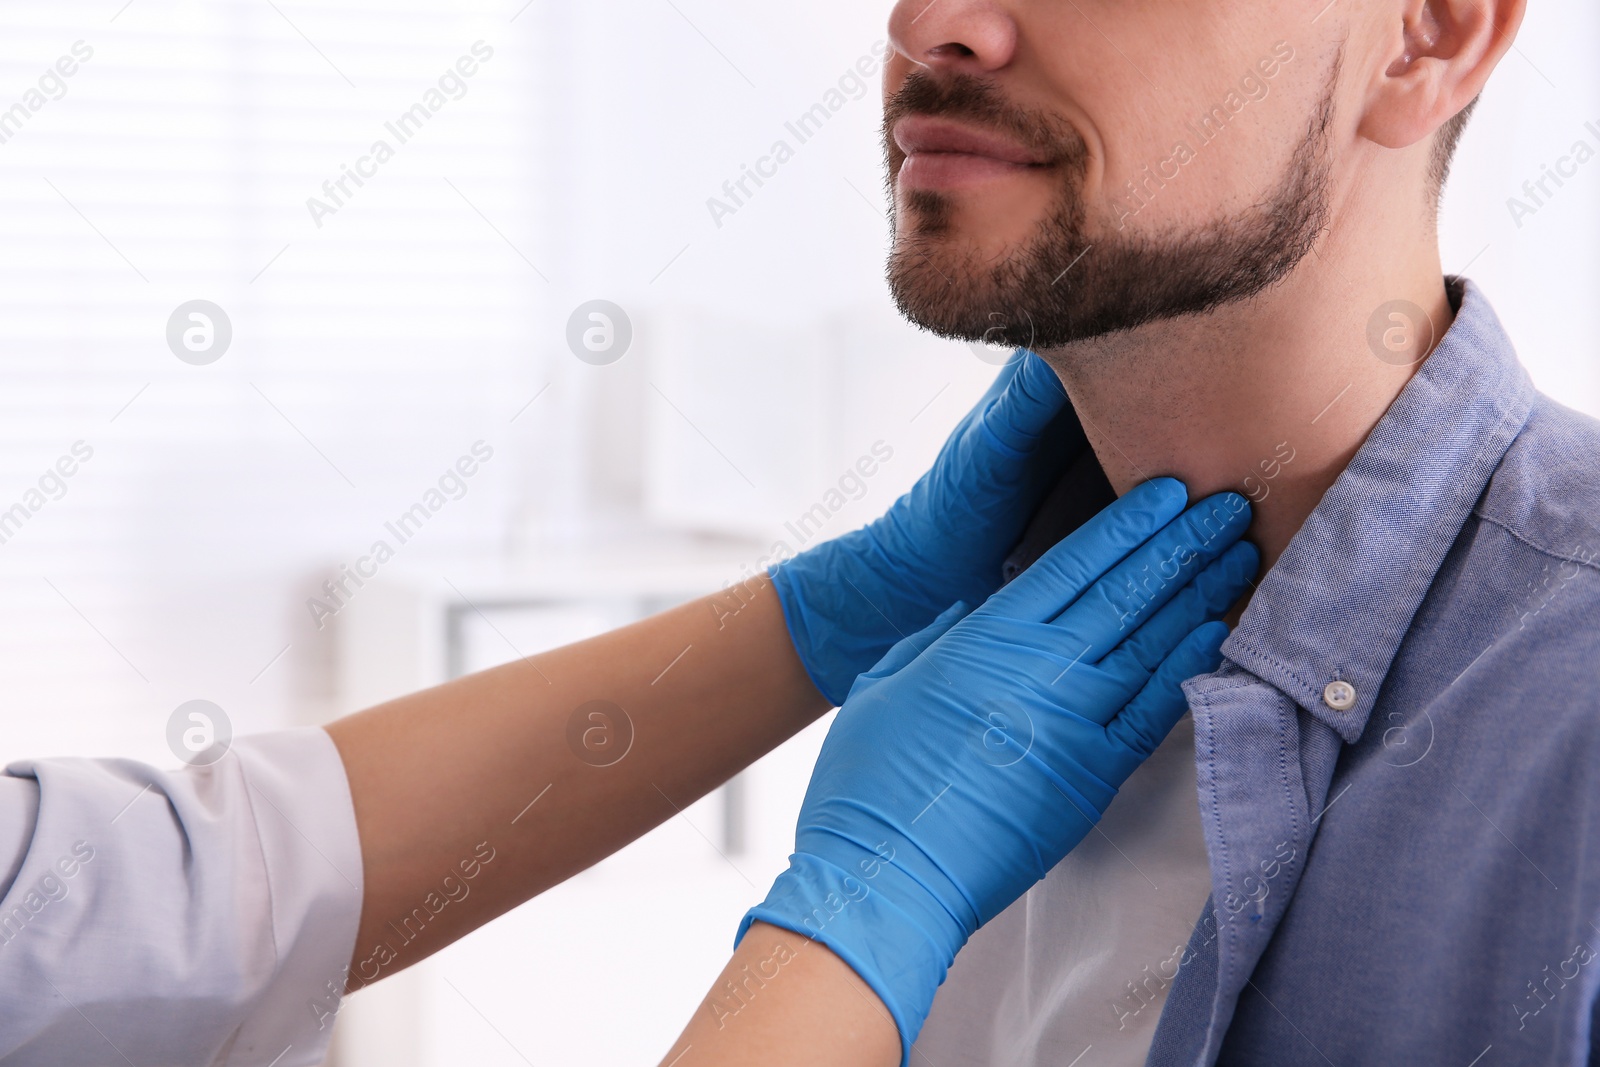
785	1001
478	794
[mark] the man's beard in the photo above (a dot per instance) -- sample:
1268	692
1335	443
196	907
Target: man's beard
1059	286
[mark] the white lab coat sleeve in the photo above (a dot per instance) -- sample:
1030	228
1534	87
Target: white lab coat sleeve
203	916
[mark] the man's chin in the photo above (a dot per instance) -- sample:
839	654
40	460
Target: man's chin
987	273
971	296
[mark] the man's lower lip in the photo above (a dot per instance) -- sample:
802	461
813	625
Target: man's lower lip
953	170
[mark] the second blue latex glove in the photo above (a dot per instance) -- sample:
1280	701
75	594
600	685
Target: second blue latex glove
965	765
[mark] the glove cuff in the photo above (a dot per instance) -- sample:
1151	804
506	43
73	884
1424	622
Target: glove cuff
880	942
787	579
834	597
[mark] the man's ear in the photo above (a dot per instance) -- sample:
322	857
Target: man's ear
1436	56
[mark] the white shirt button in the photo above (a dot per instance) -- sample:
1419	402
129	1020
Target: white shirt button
1340	696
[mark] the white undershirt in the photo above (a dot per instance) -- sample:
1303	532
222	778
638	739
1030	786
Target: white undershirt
1084	959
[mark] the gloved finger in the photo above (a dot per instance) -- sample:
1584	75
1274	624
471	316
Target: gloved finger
1151	715
1008	371
1018	416
973	447
1213	591
1105	687
1059	577
996	389
1152	575
909	648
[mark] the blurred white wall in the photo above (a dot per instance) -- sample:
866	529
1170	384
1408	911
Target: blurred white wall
1541	270
430	312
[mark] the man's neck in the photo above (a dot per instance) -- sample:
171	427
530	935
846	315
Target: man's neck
1270	398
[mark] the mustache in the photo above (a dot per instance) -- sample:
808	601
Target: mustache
964	96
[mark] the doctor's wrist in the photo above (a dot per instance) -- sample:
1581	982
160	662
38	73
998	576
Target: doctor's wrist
784	1000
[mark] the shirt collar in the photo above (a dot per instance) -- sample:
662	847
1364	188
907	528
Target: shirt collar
1341	598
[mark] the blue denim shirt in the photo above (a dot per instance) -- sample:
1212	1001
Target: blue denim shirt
1407	871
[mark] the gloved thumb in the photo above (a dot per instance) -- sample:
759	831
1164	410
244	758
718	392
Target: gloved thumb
909	648
1020	414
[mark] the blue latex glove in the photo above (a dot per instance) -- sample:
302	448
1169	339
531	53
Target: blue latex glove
847	600
977	754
